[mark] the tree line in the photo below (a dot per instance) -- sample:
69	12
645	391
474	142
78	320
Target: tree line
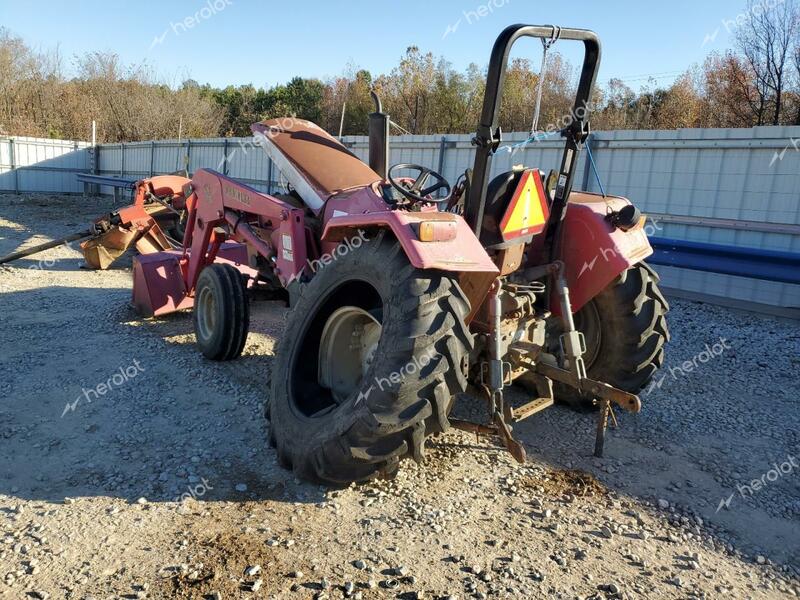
756	82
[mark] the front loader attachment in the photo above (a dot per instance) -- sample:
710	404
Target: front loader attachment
101	251
158	284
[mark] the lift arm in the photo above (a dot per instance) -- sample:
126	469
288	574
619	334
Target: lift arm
221	208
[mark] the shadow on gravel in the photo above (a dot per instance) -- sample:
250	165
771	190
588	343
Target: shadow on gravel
176	425
99	403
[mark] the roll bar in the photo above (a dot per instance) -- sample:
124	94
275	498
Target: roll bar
488	135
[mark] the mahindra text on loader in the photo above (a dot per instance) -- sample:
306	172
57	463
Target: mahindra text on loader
482	283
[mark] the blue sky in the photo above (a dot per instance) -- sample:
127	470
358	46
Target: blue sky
264	43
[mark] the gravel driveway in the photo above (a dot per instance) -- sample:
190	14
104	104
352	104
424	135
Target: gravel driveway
130	467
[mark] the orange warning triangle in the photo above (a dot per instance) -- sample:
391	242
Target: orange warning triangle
528	212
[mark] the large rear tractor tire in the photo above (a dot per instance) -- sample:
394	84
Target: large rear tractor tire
221	312
625	327
373	352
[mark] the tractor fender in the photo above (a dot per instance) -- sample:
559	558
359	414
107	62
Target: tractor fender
463	254
594	251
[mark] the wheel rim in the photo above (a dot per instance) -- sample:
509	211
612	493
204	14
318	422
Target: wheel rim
206	306
347	348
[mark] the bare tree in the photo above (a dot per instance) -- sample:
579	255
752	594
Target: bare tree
766	39
797	78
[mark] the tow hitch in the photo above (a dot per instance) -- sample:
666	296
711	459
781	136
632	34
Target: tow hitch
572	373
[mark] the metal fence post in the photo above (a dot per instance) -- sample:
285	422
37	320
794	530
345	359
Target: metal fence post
96	166
121	172
13	161
269	175
225	157
152	156
188	157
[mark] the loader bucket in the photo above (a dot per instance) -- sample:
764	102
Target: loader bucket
158	284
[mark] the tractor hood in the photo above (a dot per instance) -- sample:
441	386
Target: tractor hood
315	163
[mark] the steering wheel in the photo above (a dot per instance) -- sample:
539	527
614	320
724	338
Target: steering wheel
417	192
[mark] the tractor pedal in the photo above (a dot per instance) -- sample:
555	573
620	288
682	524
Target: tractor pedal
531	408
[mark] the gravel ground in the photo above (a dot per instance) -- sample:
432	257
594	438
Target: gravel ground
163	485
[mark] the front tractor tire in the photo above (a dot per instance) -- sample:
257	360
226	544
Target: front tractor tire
373	352
221	312
625	327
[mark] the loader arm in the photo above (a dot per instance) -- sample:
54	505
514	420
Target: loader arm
216	200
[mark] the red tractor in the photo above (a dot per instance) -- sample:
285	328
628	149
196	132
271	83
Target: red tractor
404	291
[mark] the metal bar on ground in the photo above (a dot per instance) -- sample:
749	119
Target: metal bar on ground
46	246
115	182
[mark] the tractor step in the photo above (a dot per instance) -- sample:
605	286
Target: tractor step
531	408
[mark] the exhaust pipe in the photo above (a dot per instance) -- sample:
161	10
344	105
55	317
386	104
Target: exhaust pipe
378	138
